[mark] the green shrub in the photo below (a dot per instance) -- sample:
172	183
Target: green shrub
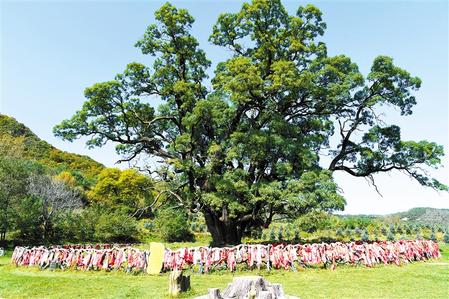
97	224
84	224
172	226
115	227
446	238
313	221
255	233
28	224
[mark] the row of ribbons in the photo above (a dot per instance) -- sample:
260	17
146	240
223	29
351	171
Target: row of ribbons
88	258
291	256
209	258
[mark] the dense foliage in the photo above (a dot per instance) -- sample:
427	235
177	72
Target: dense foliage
172	226
246	145
18	140
127	190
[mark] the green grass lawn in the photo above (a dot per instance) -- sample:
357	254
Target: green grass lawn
418	280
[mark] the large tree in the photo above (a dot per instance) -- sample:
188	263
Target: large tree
246	145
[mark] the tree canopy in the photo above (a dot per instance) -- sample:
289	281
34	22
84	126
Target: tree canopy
127	190
245	145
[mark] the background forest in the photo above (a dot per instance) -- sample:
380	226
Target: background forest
48	196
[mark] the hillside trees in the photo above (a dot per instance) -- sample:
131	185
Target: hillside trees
14	174
20	142
50	196
246	145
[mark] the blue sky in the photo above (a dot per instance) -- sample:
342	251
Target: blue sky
52	50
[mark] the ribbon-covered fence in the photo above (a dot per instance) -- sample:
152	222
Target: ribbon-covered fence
83	257
285	256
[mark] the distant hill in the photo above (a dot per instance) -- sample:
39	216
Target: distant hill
14	132
424	216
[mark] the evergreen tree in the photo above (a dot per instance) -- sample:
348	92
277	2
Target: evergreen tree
392	229
272	236
376	235
263	236
348	233
287	233
408	230
433	237
391	236
417	229
297	235
340	232
365	236
281	234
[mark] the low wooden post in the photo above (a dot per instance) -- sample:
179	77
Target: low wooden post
177	283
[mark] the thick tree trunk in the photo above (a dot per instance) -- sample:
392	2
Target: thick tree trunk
228	232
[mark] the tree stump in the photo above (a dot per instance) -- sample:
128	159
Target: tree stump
248	287
178	283
265	295
278	291
214	294
241	286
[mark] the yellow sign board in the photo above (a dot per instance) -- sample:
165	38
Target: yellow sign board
156	258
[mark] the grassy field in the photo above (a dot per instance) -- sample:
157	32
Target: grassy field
417	280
